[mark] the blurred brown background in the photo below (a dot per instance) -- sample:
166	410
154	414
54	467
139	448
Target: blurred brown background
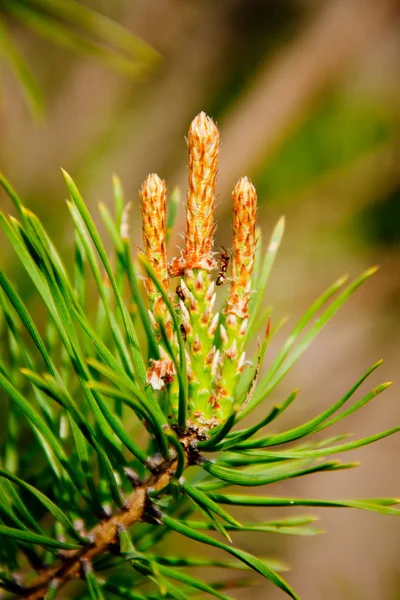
307	97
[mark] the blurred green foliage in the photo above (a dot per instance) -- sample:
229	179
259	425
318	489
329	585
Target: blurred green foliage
73	26
342	129
381	221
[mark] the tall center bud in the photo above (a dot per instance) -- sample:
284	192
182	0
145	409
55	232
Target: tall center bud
203	151
195	264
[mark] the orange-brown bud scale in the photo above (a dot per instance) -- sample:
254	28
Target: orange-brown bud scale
160	373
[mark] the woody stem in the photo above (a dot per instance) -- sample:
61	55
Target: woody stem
105	534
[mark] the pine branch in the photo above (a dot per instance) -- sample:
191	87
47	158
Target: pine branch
110	412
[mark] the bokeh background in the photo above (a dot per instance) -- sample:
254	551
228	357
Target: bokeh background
307	97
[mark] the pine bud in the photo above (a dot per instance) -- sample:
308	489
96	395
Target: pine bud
244	246
223	334
153	206
160	373
210	292
203	151
196	345
241	362
232	352
215	364
213	327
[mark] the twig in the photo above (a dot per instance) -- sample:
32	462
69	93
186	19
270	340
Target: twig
105	534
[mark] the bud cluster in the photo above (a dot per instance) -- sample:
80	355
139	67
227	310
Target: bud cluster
213	342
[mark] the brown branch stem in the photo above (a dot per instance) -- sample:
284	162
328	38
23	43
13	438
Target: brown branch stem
104	535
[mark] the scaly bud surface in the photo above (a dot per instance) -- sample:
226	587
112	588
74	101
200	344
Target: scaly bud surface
153	195
203	151
244	199
195	264
160	373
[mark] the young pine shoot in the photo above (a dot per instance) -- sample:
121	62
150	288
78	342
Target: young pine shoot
124	422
